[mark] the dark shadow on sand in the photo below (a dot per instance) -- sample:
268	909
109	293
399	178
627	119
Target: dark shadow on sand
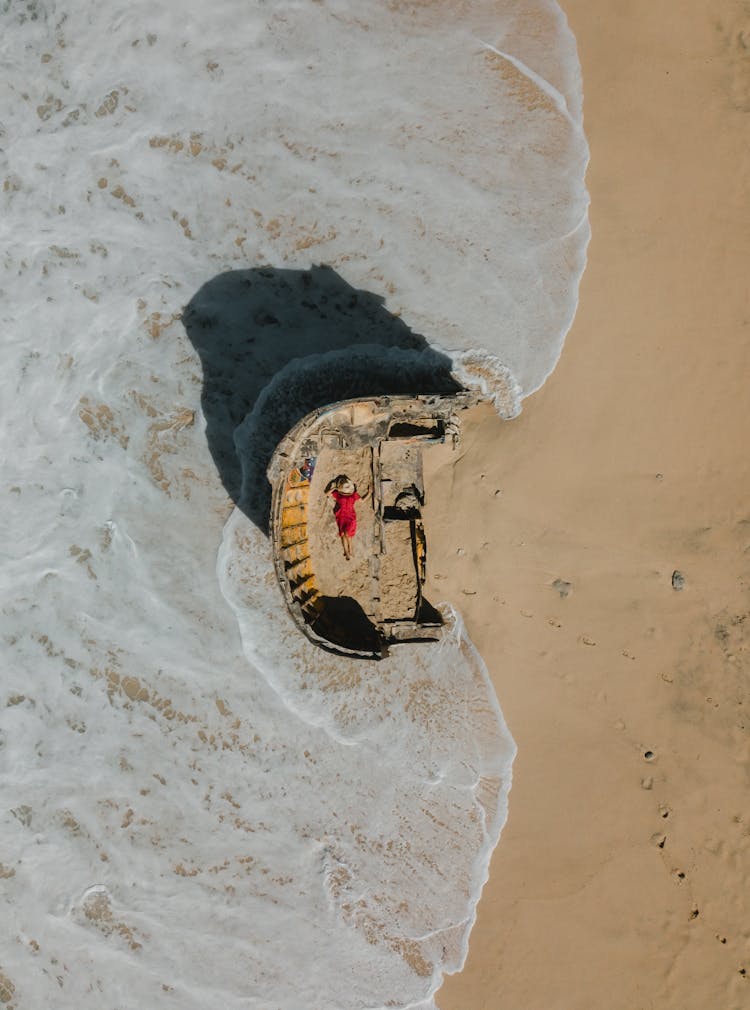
249	325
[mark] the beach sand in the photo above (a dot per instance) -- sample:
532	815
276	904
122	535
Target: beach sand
599	549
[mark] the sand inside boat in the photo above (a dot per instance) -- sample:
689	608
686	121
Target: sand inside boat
336	576
383	580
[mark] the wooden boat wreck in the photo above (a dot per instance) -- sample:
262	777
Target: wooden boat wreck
362	607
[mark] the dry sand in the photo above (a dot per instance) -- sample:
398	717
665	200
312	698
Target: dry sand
623	883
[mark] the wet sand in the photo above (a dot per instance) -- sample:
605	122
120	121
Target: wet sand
599	548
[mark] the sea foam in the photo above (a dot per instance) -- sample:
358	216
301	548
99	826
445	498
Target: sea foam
199	806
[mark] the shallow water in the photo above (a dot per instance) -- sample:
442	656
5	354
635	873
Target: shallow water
198	804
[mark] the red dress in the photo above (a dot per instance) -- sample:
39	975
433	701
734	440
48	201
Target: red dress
343	510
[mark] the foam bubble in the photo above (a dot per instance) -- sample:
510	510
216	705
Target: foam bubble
487	374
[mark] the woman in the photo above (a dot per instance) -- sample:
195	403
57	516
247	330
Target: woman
344	493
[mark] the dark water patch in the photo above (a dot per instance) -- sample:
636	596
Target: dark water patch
317	339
